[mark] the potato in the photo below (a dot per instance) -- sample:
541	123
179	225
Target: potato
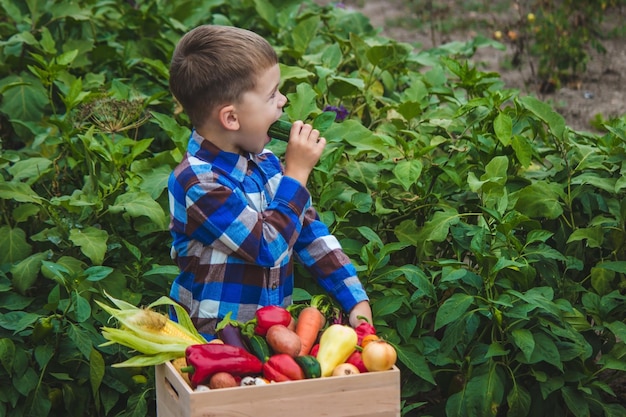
283	340
222	380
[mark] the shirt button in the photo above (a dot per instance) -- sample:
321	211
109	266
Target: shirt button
274	286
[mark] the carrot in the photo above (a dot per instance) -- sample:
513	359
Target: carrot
310	322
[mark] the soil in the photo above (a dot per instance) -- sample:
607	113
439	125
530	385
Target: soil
599	93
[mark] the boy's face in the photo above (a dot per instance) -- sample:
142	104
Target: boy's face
258	109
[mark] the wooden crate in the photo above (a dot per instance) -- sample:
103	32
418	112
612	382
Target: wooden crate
372	394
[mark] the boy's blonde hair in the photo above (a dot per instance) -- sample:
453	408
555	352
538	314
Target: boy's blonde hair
215	65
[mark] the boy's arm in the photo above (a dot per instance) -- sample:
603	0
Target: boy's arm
322	255
218	214
362	312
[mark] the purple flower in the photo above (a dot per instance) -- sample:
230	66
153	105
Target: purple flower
340	5
341	112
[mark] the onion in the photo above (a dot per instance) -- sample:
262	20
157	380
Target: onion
378	355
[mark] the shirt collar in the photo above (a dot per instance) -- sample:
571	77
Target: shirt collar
234	164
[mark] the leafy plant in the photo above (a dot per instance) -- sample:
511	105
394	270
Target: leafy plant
489	235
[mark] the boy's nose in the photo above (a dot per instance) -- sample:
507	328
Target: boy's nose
282	100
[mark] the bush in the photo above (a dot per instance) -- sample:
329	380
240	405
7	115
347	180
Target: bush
489	235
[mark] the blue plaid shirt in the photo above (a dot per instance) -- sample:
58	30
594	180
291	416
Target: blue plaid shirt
236	221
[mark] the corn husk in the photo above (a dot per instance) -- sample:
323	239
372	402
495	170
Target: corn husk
154	336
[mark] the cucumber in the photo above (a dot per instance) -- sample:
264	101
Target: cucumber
280	130
259	348
310	366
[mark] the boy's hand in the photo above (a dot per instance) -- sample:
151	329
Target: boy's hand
304	149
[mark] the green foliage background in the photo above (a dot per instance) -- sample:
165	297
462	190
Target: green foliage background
489	235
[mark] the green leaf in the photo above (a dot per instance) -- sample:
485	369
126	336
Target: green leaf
288	72
370	235
420	281
594	236
304	32
437	228
137	405
415	362
523	150
345	86
25	211
82	308
538	235
81	340
613	410
25	272
388	305
141	204
576	401
96	371
97	273
358	136
602	280
17	321
302	103
43	354
179	134
266	10
455	405
616	266
13	245
548	385
544	112
452	309
524	340
539	200
503	127
591	178
519	401
26	382
92	242
496	349
610	362
545	350
618	328
29	170
484	392
55	271
324	120
407	172
7	354
18	191
67	58
26	100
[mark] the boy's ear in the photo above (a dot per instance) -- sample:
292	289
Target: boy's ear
228	117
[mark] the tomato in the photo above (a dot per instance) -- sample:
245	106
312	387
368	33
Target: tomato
379	355
367	339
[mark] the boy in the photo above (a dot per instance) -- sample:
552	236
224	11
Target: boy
236	216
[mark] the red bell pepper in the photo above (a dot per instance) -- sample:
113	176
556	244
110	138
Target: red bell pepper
282	367
356	360
314	350
268	316
362	330
207	359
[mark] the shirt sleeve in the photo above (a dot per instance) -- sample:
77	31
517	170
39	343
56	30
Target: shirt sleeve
219	215
321	253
